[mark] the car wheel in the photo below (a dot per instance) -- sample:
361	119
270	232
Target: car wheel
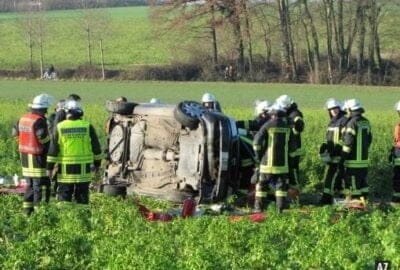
187	113
123	108
114	190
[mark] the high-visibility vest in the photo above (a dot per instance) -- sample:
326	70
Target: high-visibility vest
397	135
75	155
28	142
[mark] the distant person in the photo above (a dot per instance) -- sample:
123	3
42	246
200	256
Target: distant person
230	73
210	103
76	149
50	73
33	144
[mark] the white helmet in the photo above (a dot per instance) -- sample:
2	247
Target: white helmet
155	101
42	101
73	105
352	104
333	103
276	108
284	101
397	106
207	97
262	106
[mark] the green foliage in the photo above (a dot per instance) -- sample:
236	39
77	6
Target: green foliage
111	234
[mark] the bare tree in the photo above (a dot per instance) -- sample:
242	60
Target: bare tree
314	57
289	66
96	26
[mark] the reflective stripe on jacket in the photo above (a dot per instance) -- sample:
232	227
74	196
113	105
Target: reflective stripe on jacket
75	154
28	141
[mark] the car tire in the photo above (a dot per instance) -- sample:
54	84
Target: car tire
124	108
114	190
187	113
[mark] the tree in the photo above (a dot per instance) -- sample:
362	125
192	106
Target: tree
289	67
96	28
33	25
314	57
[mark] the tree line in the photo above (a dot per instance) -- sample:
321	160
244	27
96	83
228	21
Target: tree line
325	41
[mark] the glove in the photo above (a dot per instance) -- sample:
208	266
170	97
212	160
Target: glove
49	174
325	157
323	148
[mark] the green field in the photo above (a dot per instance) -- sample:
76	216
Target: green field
132	38
125	31
113	235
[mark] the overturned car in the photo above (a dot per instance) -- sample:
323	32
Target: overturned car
171	151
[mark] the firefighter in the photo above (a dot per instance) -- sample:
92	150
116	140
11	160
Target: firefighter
61	114
51	120
394	158
261	116
210	103
357	138
76	150
271	143
331	150
296	123
33	144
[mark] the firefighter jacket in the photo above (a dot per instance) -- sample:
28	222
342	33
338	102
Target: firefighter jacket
33	143
75	147
334	136
272	141
296	123
357	138
253	125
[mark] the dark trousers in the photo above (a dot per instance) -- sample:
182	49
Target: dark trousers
267	182
355	181
294	171
396	183
333	181
80	192
34	192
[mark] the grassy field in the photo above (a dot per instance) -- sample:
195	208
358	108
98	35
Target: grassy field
127	35
237	101
111	233
131	39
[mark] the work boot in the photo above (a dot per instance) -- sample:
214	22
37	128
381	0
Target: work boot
326	199
280	204
258	205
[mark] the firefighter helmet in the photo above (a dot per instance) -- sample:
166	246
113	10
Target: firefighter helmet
42	101
352	104
262	106
276	108
332	103
284	101
73	106
397	106
207	97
